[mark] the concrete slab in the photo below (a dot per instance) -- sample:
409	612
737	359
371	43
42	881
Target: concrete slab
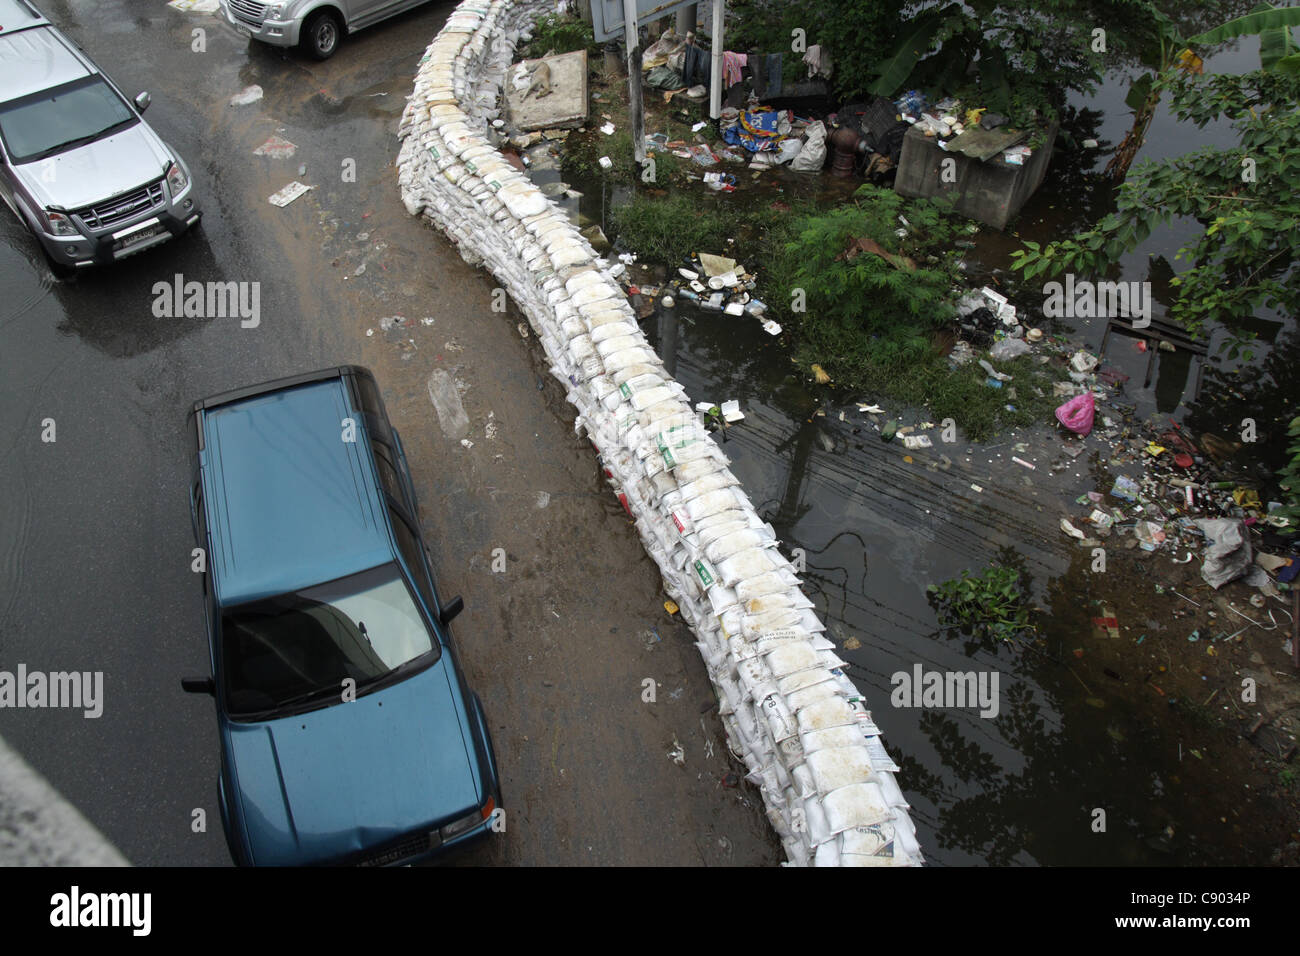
992	192
563	107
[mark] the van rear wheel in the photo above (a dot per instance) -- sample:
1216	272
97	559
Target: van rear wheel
320	34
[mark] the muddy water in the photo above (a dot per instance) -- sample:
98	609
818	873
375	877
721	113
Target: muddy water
1026	786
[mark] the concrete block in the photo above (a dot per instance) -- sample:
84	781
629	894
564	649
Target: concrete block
992	192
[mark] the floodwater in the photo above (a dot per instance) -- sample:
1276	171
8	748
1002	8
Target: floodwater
1024	787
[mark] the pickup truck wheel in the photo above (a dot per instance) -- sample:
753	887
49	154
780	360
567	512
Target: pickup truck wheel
320	34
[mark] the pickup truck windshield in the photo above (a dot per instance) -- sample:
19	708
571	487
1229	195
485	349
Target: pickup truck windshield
294	651
62	118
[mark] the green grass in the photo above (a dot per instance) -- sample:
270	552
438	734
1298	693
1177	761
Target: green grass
562	33
669	228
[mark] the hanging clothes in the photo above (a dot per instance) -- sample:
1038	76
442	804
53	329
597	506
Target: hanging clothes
695	68
732	64
819	62
774	64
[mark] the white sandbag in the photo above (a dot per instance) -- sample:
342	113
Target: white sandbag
857	805
838	767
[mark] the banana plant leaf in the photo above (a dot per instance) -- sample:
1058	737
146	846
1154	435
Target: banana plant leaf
1138	92
1251	24
899	67
1275	44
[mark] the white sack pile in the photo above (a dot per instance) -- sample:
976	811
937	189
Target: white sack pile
800	724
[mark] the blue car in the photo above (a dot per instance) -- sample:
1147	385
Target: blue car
348	734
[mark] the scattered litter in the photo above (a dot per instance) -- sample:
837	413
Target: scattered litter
1229	556
677	754
249	94
277	148
1068	528
1106	625
288	194
1077	414
1125	488
1083	361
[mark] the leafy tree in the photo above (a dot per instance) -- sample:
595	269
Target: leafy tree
1160	47
1244	197
1289	477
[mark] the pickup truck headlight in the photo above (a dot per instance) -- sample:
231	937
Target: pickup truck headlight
176	178
275	11
59	224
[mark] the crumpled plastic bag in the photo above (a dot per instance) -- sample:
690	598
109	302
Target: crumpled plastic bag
789	150
1077	414
1005	350
813	155
1228	557
658	53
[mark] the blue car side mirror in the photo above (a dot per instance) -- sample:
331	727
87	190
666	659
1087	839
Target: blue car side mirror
199	685
451	609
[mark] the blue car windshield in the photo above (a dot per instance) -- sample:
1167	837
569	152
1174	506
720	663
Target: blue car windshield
297	651
63	118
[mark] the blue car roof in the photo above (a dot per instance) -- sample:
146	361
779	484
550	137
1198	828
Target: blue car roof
290	504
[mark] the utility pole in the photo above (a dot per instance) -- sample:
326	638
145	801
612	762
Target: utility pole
715	75
687	17
636	108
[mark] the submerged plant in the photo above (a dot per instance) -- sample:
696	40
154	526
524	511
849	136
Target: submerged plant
991	604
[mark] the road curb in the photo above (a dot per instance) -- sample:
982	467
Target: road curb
39	828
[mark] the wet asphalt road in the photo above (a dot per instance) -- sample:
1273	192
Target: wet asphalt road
95	537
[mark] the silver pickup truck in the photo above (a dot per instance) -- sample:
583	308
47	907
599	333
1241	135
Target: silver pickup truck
79	167
315	25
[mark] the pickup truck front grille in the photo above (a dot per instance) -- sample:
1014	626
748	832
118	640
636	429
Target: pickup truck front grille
251	13
121	208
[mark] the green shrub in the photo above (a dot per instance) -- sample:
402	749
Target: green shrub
562	33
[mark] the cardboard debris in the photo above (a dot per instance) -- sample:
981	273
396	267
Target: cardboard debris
288	194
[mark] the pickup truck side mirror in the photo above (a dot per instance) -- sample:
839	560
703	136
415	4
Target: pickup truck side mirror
199	685
142	101
451	609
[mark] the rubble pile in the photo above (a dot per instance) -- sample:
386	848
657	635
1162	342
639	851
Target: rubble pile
790	711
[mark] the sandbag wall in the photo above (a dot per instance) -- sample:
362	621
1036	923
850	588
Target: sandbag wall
789	710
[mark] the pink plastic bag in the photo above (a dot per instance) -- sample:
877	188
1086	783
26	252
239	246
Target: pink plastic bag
1077	413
